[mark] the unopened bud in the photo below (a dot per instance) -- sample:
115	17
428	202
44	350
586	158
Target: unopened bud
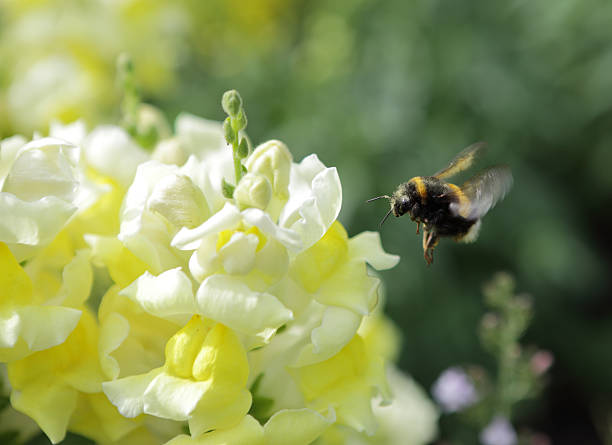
170	151
177	199
231	102
272	159
151	126
253	191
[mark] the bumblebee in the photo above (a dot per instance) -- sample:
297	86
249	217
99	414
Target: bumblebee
448	210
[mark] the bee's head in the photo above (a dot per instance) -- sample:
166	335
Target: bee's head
401	201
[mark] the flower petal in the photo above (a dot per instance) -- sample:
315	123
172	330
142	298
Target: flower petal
337	328
315	199
367	245
77	278
238	254
51	406
411	417
173	397
123	266
263	222
168	295
111	151
97	419
350	287
44	167
189	239
229	301
296	426
43	327
208	416
25	224
114	329
127	393
247	432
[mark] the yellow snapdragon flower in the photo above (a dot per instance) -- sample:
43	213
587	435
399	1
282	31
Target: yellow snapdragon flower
25	326
203	380
247	316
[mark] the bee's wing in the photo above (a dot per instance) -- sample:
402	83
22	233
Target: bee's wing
483	191
462	161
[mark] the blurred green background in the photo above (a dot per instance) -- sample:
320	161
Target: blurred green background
386	91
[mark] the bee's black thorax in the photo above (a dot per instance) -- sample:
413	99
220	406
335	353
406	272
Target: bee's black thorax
426	199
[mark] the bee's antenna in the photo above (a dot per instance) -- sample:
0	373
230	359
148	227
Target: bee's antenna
384	219
378	197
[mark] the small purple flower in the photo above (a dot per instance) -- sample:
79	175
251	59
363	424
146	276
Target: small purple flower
454	390
498	432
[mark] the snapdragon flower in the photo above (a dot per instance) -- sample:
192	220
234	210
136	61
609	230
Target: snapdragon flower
235	303
49	335
253	264
58	62
38	191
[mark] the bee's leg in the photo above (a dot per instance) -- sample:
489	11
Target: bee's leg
425	235
418	227
430	239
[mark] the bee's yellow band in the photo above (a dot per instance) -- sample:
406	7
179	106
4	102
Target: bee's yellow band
464	202
420	187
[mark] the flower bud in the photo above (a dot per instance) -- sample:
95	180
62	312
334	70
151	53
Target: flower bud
170	151
178	200
272	159
231	102
253	191
151	126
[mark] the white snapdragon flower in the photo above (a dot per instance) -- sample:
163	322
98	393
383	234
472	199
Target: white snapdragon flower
38	191
271	256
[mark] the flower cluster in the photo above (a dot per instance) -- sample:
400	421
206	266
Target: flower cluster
192	293
488	402
58	58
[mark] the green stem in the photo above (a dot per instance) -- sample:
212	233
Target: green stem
506	364
237	163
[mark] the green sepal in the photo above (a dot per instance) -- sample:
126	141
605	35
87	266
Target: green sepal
243	148
239	122
230	134
228	189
